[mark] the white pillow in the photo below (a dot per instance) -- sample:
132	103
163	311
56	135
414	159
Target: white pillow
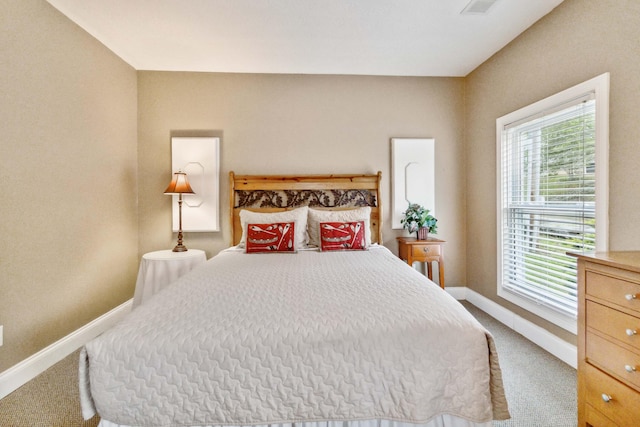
299	215
316	216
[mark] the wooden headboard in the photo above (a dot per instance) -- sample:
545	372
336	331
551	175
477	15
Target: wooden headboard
275	193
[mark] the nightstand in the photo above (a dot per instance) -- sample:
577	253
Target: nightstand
427	251
159	268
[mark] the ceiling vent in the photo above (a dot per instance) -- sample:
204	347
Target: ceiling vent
478	7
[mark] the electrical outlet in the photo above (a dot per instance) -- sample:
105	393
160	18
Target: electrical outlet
1	326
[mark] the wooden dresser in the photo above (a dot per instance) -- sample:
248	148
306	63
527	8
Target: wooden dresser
609	339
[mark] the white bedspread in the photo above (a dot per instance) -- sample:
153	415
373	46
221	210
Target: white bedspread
283	338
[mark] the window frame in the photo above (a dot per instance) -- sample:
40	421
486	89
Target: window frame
599	86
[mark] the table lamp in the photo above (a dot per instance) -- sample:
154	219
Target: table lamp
179	185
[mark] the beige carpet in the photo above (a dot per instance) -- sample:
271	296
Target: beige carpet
49	400
541	390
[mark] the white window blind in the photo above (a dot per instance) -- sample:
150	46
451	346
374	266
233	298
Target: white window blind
548	202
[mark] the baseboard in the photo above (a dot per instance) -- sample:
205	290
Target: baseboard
458	292
34	365
561	349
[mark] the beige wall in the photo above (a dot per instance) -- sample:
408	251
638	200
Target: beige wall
579	40
68	215
73	165
297	124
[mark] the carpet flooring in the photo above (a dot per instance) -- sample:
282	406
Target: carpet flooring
52	399
540	389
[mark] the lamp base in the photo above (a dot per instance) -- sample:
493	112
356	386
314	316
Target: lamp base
180	247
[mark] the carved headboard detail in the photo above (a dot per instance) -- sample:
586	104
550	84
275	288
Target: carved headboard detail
273	193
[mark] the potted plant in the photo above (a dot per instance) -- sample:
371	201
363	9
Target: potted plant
417	218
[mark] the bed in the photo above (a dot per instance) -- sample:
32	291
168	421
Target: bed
311	329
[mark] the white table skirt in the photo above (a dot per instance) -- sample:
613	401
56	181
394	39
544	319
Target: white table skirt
159	268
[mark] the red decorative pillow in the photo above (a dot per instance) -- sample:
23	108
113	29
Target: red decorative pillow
342	236
274	237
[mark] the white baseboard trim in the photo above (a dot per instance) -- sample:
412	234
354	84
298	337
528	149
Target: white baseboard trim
458	292
25	371
561	349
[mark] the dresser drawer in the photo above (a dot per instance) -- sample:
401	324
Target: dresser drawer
425	251
596	419
613	359
615	290
623	407
614	323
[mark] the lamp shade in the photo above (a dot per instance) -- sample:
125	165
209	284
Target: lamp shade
179	184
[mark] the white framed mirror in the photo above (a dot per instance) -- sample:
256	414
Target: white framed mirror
199	158
413	175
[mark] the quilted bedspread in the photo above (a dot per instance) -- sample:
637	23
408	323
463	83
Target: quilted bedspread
250	339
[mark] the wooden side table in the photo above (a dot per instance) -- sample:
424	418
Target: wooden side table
427	251
159	268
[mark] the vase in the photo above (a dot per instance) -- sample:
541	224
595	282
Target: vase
423	233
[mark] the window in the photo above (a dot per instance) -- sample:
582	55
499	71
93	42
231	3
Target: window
552	197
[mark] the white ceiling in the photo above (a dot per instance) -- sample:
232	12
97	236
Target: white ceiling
370	37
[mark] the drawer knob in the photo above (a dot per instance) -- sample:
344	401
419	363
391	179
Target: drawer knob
629	368
426	249
606	398
631	297
631	332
